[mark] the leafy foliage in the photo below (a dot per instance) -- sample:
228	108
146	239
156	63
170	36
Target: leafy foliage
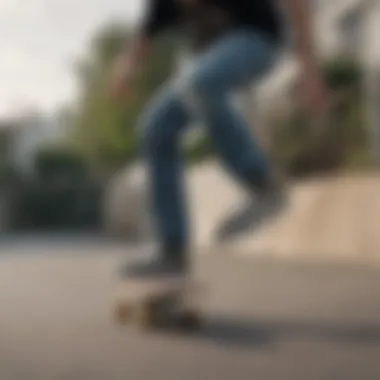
301	148
104	132
51	164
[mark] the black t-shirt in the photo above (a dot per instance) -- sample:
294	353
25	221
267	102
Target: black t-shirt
205	19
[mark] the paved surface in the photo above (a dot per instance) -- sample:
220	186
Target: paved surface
263	321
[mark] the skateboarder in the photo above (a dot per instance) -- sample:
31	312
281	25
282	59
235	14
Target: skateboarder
234	42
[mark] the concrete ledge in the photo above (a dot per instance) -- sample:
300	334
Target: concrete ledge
327	218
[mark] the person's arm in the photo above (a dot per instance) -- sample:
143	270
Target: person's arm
158	16
300	15
133	57
313	84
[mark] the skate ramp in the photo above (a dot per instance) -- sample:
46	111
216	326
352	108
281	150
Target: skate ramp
336	217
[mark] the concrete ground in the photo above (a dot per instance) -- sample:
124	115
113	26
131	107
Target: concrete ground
263	320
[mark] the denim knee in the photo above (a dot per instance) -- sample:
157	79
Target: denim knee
200	89
155	139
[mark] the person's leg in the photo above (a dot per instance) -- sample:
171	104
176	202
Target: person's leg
236	60
162	122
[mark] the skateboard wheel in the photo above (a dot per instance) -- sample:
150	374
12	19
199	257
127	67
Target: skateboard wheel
123	313
165	306
147	316
190	321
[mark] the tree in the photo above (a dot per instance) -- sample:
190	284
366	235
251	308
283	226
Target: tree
342	143
102	130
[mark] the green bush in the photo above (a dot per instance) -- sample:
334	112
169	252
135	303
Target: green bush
51	164
199	148
341	73
49	206
60	196
301	148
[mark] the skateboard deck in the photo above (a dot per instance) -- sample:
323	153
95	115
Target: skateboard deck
159	303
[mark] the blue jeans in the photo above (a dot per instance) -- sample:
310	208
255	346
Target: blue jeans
235	60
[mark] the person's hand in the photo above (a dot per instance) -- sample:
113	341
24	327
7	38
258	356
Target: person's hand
314	96
122	79
314	99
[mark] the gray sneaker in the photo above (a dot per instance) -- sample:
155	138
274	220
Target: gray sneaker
253	213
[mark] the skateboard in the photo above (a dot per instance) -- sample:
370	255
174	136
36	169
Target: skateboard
159	303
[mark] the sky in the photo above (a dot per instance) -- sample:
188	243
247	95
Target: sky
40	39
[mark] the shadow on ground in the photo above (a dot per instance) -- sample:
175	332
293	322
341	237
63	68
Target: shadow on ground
261	334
